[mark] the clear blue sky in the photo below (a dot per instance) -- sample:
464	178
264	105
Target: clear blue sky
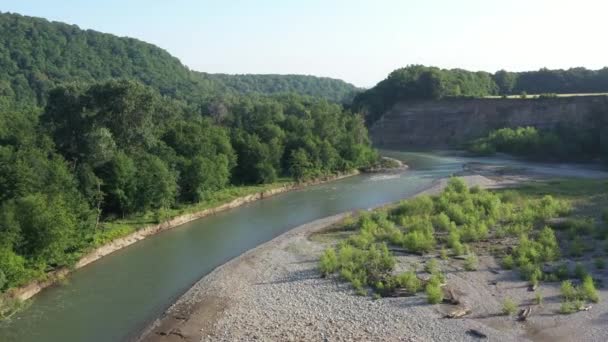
358	41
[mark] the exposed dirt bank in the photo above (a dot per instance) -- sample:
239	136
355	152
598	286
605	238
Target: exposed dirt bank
30	290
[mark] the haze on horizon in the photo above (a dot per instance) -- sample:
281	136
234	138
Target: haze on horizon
357	41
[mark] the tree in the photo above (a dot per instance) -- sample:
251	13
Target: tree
299	165
156	185
47	227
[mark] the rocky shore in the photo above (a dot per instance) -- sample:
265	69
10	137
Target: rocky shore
275	293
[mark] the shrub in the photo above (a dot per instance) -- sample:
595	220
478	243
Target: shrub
409	281
568	307
443	253
508	307
471	262
568	290
419	241
588	290
328	263
508	262
434	294
442	222
432	266
538	298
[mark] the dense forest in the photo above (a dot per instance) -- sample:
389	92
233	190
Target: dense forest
36	55
328	88
417	82
115	148
95	128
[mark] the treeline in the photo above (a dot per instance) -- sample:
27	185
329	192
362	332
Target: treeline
116	148
562	143
36	55
324	87
417	82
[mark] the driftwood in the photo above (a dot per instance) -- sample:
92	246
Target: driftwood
532	287
584	308
524	314
459	312
476	333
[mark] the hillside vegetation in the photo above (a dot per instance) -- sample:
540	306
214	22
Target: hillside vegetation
37	55
513	225
324	87
417	82
114	149
100	135
563	143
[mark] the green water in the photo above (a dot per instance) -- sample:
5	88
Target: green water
114	298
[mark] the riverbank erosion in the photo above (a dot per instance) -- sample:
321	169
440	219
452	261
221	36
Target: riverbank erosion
276	293
30	290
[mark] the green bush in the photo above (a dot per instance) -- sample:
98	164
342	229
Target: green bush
538	298
568	290
588	290
442	222
471	262
328	263
434	294
443	253
432	266
569	307
509	307
409	281
508	262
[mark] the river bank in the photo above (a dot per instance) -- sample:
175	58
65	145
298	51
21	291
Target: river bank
274	292
28	291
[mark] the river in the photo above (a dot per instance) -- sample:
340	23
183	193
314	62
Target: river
114	298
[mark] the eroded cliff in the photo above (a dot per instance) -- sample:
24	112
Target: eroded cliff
453	122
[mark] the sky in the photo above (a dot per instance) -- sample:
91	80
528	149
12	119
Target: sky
358	41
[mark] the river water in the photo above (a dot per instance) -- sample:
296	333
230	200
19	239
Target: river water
114	298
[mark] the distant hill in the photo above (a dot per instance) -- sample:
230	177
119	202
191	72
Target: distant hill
329	88
36	55
418	82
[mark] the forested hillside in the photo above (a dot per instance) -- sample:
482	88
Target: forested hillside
417	82
36	55
95	129
329	88
117	148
